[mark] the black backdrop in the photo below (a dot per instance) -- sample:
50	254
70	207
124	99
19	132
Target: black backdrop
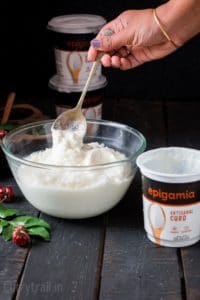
26	62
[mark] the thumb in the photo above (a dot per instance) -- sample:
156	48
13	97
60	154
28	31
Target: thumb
108	43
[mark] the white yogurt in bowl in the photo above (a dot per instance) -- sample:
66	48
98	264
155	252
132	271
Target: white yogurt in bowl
70	178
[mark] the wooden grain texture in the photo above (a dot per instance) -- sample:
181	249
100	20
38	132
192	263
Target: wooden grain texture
191	267
12	258
183	130
109	257
133	267
68	266
145	116
183	123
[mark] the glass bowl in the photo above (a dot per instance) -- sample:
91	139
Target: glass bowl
73	191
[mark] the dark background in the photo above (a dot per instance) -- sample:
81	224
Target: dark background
27	63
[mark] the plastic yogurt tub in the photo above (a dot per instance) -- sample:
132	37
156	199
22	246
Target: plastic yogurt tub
70	37
171	195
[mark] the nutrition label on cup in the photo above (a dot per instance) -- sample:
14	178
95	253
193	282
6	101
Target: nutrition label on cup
171	212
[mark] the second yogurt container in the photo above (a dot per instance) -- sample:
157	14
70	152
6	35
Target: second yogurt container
70	37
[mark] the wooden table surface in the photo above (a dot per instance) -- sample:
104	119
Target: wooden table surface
109	257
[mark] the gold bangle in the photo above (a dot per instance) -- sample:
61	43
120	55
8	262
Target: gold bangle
162	29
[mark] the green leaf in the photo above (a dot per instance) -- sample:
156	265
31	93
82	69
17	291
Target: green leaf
5	213
29	221
3	223
40	231
7	126
7	233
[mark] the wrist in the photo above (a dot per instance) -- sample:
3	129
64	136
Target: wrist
180	20
162	29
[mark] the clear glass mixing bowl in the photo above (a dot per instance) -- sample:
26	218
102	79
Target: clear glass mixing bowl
73	191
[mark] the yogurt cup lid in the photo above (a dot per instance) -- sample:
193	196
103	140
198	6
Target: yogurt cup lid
171	164
76	23
59	84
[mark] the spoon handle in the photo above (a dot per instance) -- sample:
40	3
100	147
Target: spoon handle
92	71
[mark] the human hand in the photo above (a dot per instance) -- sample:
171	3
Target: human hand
136	39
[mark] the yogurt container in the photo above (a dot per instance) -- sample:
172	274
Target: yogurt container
70	37
171	195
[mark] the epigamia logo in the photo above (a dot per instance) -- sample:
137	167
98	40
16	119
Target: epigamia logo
165	196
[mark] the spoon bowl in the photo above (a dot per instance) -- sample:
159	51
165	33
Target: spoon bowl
72	120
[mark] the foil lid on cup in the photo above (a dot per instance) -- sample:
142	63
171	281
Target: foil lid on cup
76	23
59	84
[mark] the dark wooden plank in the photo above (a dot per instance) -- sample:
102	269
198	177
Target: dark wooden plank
183	123
145	116
12	258
133	267
68	266
183	129
191	267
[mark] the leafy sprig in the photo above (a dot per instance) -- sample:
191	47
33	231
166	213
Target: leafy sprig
11	218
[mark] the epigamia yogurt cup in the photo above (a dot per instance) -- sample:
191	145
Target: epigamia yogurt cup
171	195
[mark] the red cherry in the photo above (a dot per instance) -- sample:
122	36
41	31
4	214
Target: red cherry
20	236
6	194
3	133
